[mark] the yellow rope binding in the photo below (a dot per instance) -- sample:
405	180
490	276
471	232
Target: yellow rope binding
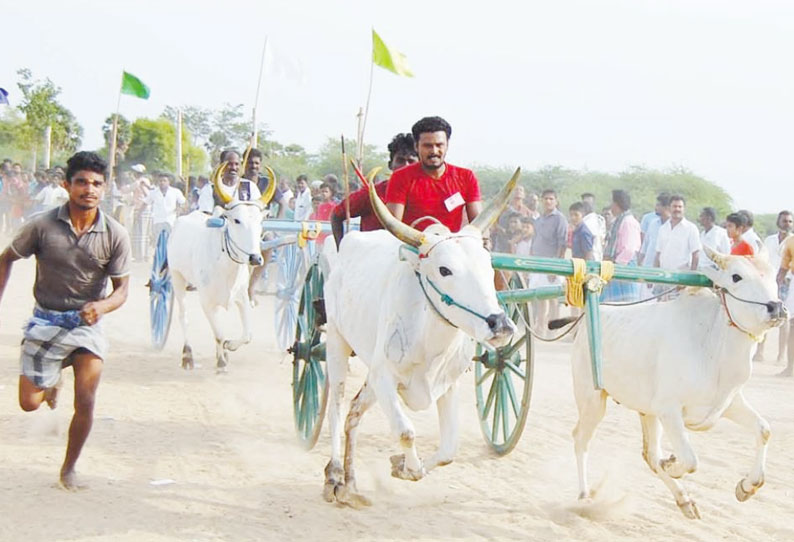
309	230
574	291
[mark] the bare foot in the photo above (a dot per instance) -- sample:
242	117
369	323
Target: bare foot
51	394
68	482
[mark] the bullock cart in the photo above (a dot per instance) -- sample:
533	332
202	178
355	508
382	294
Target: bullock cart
503	376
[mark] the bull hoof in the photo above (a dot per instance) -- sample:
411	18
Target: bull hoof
348	496
671	467
334	476
741	494
399	470
689	509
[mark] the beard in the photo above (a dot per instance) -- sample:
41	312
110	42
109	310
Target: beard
427	164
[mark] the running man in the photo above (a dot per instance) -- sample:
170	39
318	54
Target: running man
77	247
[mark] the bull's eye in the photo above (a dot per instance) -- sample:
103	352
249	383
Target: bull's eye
444	271
236	220
736	278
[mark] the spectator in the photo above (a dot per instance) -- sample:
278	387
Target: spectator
596	224
206	203
142	213
650	225
774	248
583	239
783	281
165	201
303	199
532	205
748	233
713	236
735	225
678	243
623	244
550	241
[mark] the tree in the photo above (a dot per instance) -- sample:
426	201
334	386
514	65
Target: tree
123	137
154	144
41	108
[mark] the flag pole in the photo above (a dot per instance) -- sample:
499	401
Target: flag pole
113	135
366	112
254	141
346	182
179	144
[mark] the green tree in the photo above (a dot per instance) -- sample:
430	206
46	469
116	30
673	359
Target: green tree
41	108
153	143
123	137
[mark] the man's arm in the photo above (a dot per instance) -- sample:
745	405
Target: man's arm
695	260
397	209
657	262
93	310
7	259
473	208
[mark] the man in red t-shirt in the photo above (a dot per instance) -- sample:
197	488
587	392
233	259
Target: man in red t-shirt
432	187
735	224
401	153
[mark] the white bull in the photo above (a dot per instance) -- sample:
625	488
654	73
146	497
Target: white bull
682	365
216	261
386	304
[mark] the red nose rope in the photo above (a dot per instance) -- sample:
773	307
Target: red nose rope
732	322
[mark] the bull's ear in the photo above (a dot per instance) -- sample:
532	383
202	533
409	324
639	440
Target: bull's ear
410	256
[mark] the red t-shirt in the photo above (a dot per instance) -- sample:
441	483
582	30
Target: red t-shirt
423	195
361	206
742	248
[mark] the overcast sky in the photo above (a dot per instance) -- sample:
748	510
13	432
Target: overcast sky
708	85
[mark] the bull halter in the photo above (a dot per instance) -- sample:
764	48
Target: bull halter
230	246
732	322
447	300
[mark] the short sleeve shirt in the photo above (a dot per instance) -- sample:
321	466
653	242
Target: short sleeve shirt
361	206
70	272
551	235
582	241
443	199
675	245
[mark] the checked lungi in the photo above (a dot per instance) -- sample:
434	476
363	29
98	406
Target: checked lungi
50	339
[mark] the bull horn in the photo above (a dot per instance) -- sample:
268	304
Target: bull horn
244	163
490	214
271	187
403	232
217	174
720	259
372	173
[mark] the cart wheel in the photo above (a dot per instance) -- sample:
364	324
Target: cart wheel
503	381
309	382
291	270
161	293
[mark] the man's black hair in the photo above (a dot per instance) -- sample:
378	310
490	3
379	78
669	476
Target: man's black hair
255	153
781	214
663	199
227	152
587	195
622	199
577	206
86	161
302	177
748	217
677	197
402	143
738	218
710	212
548	191
431	124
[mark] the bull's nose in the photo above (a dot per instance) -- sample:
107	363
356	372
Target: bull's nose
776	309
256	260
499	322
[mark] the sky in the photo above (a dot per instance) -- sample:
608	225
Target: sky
598	85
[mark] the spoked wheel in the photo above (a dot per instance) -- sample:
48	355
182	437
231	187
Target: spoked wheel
161	293
309	382
291	270
503	381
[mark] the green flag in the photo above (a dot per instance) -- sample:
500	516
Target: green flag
387	58
134	87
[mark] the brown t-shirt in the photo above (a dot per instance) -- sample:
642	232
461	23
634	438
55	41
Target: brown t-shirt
70	272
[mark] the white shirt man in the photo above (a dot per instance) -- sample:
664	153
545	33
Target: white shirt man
205	201
242	190
598	227
164	200
753	239
303	201
716	238
51	196
678	242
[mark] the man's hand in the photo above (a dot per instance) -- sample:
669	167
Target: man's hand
92	312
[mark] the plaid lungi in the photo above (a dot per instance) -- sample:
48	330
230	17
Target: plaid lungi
622	290
50	339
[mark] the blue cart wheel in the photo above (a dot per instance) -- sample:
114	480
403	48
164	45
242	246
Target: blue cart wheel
503	381
309	381
291	270
161	293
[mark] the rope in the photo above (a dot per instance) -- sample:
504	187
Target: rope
574	290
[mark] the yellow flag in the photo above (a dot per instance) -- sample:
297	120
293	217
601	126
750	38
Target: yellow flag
387	58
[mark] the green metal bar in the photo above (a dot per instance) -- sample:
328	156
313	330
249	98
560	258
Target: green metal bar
519	373
511	392
484	376
530	294
490	400
593	321
503	407
558	266
497	408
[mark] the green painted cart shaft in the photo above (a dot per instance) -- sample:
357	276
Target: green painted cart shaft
555	266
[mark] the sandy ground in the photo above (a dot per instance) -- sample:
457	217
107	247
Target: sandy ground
224	452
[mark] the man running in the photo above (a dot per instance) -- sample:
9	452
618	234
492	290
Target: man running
402	152
432	187
77	247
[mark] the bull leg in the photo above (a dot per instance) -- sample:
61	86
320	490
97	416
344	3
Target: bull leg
407	465
746	416
244	306
180	286
683	461
449	428
221	354
592	406
348	494
338	353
